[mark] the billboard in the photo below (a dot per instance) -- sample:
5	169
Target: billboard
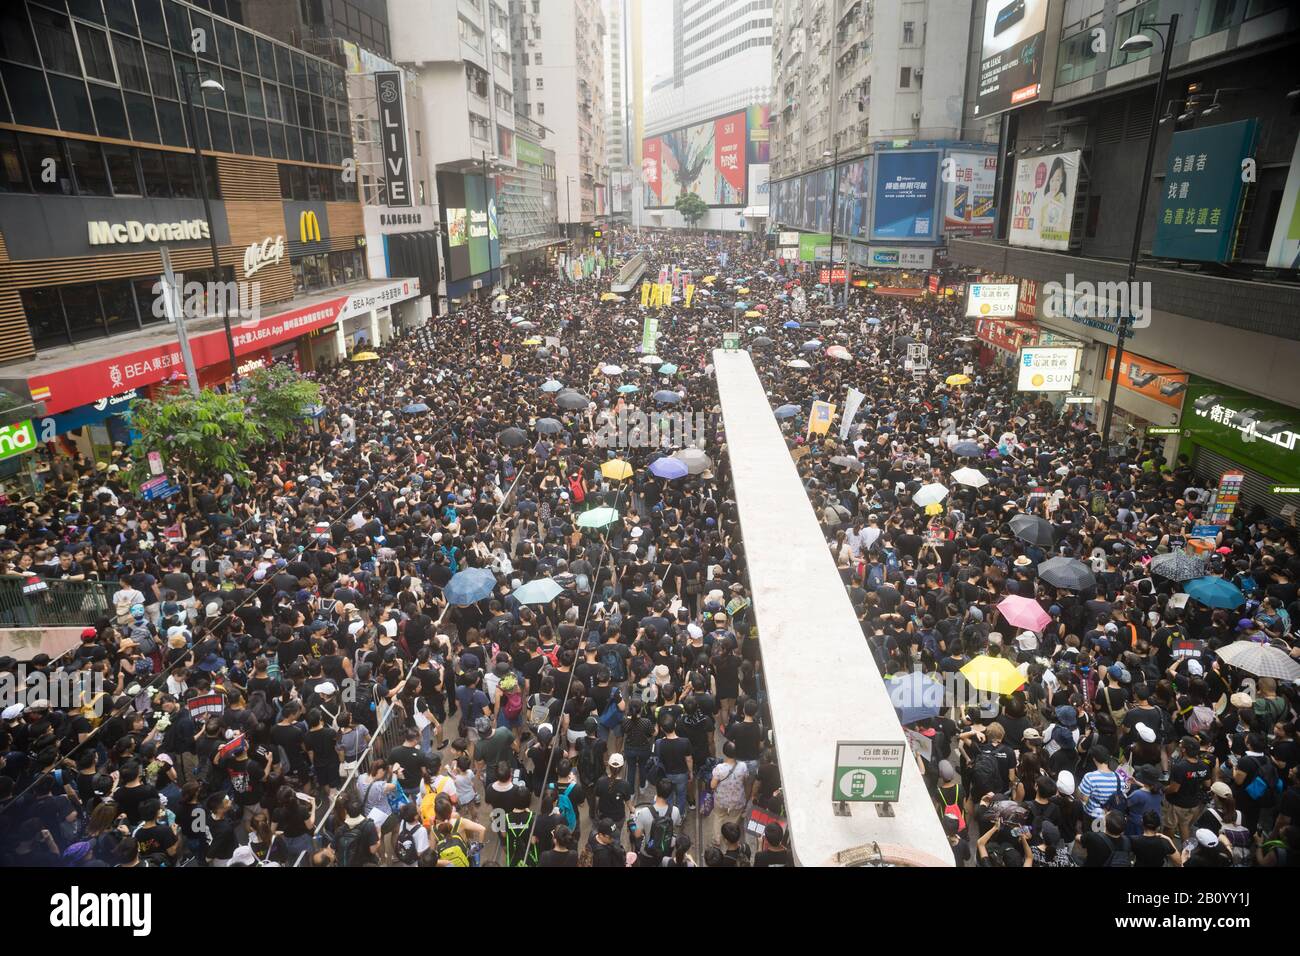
758	120
851	199
814	246
817	200
991	300
1202	192
469	210
1046	369
905	194
1043	202
707	159
1252	431
1157	381
760	191
968	204
1011	55
1284	251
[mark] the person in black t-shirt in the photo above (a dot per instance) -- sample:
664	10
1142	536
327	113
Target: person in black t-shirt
613	796
775	851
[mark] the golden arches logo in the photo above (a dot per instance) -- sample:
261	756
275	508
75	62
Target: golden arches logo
308	226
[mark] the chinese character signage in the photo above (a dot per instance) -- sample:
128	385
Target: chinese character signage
1042	204
1252	431
868	771
968	204
1157	381
991	300
905	195
1201	192
1046	369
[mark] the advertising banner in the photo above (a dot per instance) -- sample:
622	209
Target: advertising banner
1011	55
1004	335
1284	252
851	197
893	257
1046	369
1202	192
707	159
1042	204
814	247
760	192
529	153
794	202
758	121
787	239
469	206
1027	301
1253	431
991	300
817	200
392	127
1157	381
968	206
905	195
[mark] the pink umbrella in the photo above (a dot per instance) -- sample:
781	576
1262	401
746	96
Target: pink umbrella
1024	613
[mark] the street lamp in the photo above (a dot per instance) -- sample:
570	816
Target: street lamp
568	205
208	84
1135	44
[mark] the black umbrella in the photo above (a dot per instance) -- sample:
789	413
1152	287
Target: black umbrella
1066	573
571	401
513	437
1033	530
763	342
967	449
549	426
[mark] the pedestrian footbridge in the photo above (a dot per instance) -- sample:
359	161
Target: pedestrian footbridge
822	682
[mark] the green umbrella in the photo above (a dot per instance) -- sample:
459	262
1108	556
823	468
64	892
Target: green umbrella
597	518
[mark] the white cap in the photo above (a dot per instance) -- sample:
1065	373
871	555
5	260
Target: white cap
1195	669
694	630
1205	837
328	687
1146	733
12	712
1065	783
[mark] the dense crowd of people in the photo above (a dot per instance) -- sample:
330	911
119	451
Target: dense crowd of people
488	632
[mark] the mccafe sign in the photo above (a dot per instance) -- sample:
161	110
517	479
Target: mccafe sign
105	233
268	252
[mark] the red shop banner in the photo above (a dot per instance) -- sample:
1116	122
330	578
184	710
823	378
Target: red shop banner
88	383
1005	335
1027	301
834	276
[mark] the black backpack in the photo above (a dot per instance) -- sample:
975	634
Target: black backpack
348	850
613	662
1122	855
404	845
984	775
659	841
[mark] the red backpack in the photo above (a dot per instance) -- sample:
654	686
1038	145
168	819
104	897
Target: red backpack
575	489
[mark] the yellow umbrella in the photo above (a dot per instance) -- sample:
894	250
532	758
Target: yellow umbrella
616	469
533	341
742	289
958	379
934	509
710	279
365	357
751	314
610	297
997	675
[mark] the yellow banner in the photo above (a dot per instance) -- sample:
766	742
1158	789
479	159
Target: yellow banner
690	294
645	293
666	295
819	422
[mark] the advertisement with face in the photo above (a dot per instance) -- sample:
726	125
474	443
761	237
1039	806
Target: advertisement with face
851	199
707	159
1042	204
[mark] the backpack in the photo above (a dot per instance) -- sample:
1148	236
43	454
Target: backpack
1239	837
566	808
1199	720
589	767
144	639
1120	857
513	704
539	709
984	774
659	841
575	489
348	850
613	662
611	718
404	845
520	850
452	847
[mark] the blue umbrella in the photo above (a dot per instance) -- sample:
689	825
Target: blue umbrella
668	468
541	591
415	408
628	389
787	411
667	397
915	696
741	306
552	386
792	324
1215	592
967	449
873	321
469	586
812	345
668	368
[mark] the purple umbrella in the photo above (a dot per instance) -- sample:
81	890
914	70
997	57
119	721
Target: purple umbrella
668	468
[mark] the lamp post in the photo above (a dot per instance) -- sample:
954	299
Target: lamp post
1139	41
209	84
568	204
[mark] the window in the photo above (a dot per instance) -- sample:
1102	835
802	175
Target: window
539	84
71	104
45	317
537	31
95	57
88	168
541	109
119	306
16	41
909	31
180	175
905	77
121	170
131	68
110	117
1076	59
153	174
537	59
478	126
1127	24
1216	15
84	313
54	34
161	75
417	144
12	177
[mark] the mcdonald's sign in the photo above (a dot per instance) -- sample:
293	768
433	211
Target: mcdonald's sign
308	226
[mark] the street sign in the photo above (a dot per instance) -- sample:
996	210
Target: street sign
1163	430
868	771
1079	399
155	463
1285	489
731	341
157	489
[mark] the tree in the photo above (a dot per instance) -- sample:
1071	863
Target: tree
197	435
276	398
692	208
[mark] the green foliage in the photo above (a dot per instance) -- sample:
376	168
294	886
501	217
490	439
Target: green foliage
201	435
276	397
692	207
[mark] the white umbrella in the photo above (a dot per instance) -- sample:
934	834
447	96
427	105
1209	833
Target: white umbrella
1262	660
612	369
971	477
651	360
797	363
928	495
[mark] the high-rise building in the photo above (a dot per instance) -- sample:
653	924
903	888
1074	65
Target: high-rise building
846	73
468	96
301	23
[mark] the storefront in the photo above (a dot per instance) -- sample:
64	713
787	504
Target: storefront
404	242
1226	429
91	429
1002	339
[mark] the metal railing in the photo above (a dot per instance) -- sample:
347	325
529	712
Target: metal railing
53	603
